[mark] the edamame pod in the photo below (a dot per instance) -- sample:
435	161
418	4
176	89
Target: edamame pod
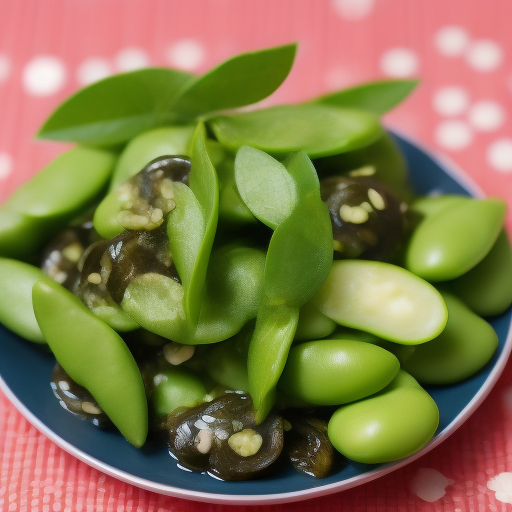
94	356
452	241
487	287
392	424
176	387
313	324
334	372
61	191
16	311
382	299
428	206
464	347
169	140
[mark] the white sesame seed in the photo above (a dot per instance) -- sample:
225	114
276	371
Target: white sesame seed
367	170
94	278
376	199
176	353
90	408
353	214
157	215
203	441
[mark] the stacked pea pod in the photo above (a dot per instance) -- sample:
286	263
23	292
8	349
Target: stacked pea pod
187	251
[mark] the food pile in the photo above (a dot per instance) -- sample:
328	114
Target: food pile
251	286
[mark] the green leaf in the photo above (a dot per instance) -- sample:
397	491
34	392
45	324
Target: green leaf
205	186
319	130
268	351
303	173
299	256
377	97
265	185
117	108
241	80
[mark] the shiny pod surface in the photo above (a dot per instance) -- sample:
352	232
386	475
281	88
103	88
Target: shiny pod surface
487	287
452	241
387	426
16	311
313	324
94	356
464	347
382	299
333	372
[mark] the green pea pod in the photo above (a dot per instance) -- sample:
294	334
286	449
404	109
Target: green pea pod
487	287
168	140
176	387
16	310
318	130
452	241
233	290
232	208
328	372
268	351
94	356
464	347
381	159
384	300
62	190
313	324
392	424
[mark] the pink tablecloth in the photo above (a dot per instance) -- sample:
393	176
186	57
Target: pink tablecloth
462	50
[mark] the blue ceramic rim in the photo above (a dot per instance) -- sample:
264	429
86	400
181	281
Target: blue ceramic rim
458	175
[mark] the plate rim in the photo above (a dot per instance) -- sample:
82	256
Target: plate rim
460	176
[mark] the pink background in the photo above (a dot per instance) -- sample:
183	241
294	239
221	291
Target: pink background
462	51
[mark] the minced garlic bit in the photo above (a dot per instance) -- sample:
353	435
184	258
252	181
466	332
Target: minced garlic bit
176	353
73	252
353	214
367	170
90	408
94	278
376	199
203	440
245	443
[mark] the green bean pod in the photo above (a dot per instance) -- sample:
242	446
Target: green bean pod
452	241
54	196
16	310
94	356
392	424
464	347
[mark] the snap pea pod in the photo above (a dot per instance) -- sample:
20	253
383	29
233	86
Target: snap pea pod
452	241
232	294
192	260
300	246
487	287
392	424
58	193
94	356
16	310
464	347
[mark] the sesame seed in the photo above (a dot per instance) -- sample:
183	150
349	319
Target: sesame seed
157	215
94	278
176	353
203	441
73	252
91	408
353	214
367	170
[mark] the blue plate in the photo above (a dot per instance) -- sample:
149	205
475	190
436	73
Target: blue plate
25	371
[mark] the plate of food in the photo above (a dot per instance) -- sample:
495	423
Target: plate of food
248	306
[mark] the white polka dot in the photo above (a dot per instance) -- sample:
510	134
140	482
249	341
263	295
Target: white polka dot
5	165
131	59
429	484
484	55
186	54
399	62
451	40
92	70
486	116
453	135
353	10
499	155
450	101
44	75
5	68
502	485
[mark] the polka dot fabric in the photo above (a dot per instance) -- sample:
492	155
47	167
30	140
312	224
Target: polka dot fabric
461	50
